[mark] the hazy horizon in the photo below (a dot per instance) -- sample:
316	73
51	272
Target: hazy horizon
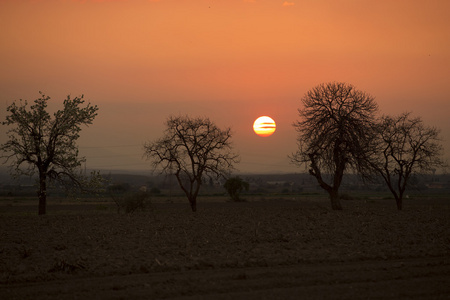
232	61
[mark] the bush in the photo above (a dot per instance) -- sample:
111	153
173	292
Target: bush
234	186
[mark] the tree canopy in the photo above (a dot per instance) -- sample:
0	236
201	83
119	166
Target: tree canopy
192	148
334	130
41	143
402	147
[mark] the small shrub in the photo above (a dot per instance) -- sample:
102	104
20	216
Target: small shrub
234	186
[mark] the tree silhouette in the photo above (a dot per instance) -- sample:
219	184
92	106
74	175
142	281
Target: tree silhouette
234	186
46	144
191	149
334	130
404	146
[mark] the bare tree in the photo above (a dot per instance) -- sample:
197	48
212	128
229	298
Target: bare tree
404	146
333	133
191	149
38	142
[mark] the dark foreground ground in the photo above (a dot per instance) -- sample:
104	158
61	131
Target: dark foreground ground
274	249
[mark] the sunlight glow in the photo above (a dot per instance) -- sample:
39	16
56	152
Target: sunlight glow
264	126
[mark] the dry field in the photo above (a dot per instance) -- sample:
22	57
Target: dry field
274	249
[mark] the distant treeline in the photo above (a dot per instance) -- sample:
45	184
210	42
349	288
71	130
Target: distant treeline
160	185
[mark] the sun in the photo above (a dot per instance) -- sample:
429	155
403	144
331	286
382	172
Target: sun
264	126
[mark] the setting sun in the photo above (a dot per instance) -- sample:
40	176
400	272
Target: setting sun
264	126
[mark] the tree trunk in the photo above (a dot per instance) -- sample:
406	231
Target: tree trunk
193	203
335	202
399	203
42	194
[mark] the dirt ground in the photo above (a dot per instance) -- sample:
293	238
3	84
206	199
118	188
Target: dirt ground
275	249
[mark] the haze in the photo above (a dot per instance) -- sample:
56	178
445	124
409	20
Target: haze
232	61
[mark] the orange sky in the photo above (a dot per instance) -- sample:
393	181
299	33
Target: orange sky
230	60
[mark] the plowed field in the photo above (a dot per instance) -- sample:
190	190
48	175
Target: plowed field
255	250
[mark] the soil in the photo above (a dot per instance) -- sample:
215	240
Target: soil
275	249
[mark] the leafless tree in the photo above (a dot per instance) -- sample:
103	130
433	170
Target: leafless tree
191	149
404	146
46	144
334	130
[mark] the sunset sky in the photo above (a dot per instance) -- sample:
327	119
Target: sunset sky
230	60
